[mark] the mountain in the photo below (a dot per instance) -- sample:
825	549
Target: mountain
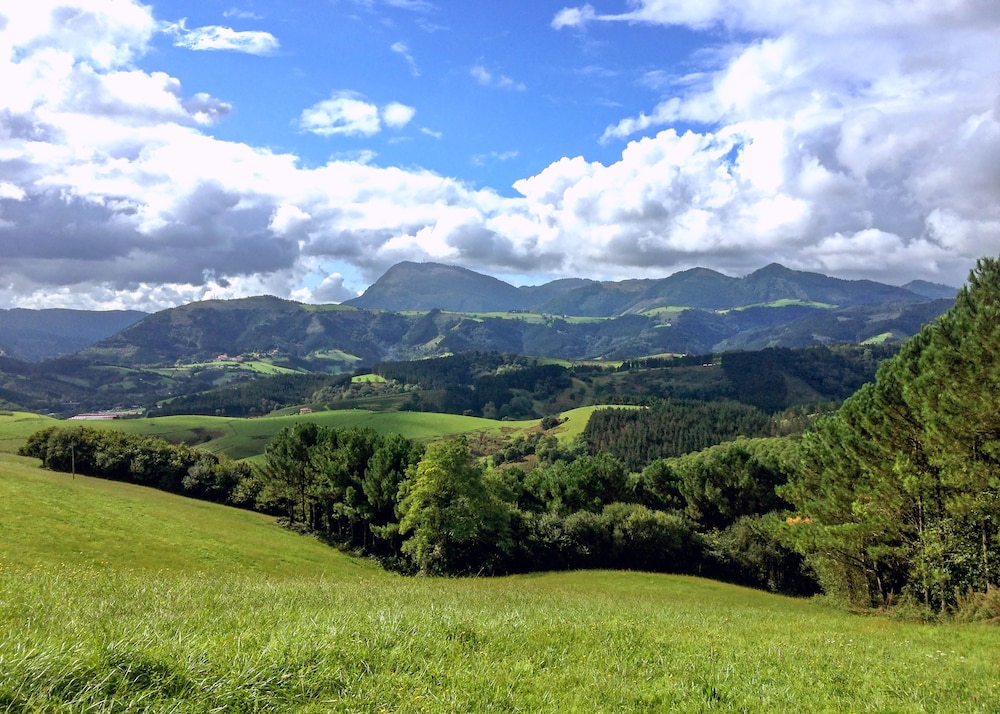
426	286
434	286
202	331
429	286
35	335
931	290
401	317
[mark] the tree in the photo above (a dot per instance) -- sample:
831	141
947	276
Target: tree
285	474
454	524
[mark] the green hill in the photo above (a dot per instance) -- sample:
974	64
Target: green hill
121	599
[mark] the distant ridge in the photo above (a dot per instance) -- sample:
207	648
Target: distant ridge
427	286
933	291
36	335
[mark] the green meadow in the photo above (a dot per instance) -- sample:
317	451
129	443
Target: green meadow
245	438
115	598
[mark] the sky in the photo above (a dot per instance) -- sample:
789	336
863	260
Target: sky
157	154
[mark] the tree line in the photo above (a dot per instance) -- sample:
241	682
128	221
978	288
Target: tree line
143	460
439	510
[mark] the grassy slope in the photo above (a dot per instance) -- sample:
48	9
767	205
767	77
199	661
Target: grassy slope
16	427
154	603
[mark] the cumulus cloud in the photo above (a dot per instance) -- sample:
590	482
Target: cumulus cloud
218	37
331	290
349	114
396	115
864	145
837	141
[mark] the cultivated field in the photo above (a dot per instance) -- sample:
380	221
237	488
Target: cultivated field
117	598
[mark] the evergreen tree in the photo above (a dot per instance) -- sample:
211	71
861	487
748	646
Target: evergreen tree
899	491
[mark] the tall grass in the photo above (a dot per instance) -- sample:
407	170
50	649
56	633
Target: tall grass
109	639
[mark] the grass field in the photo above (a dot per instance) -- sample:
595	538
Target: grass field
245	438
120	599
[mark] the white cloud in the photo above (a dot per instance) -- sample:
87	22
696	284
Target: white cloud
819	16
852	120
494	156
870	153
344	113
217	37
488	79
573	17
331	290
403	50
242	14
349	114
396	115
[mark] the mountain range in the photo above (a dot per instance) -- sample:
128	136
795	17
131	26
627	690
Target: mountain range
425	309
428	286
417	311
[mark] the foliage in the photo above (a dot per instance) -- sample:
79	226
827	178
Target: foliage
453	522
342	483
670	428
142	460
255	397
898	492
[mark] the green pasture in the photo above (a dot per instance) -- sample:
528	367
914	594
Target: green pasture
367	378
879	339
50	519
258	366
664	310
116	598
784	302
244	438
534	318
336	356
16	427
575	421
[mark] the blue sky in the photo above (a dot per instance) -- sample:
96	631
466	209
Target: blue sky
156	154
496	90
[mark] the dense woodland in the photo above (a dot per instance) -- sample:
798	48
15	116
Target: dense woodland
892	498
